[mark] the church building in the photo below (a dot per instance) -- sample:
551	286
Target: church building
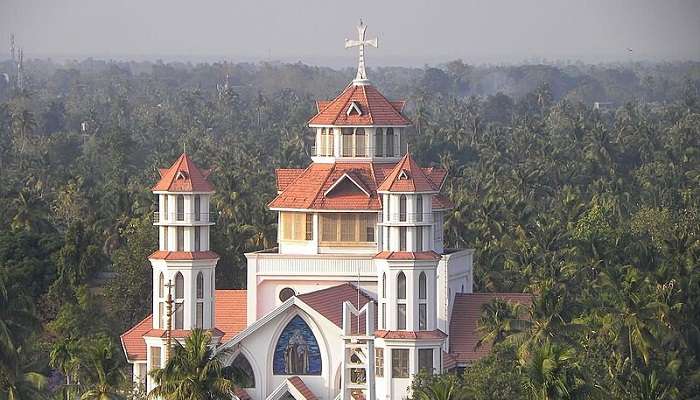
360	294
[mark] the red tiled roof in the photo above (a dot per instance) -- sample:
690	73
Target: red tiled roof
409	335
408	255
183	176
307	189
302	388
375	109
441	202
132	340
285	176
448	361
231	312
183	255
329	302
179	333
231	318
407	176
465	315
436	175
241	393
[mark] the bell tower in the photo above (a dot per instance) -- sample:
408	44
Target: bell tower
183	266
407	338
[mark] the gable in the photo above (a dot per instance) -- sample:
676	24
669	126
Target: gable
347	184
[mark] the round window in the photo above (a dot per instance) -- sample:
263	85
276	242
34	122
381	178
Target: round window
286	294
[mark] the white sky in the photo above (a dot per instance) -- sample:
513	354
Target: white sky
411	32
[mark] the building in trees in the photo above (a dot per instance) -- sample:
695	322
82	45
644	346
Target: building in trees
360	294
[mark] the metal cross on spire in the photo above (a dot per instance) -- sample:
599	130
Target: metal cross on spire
361	43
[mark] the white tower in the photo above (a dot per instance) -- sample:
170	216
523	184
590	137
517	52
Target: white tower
408	339
183	264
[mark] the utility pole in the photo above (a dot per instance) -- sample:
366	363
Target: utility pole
169	321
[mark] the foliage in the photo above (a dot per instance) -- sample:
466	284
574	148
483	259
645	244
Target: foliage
193	372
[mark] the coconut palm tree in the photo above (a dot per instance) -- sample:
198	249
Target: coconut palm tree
552	373
20	381
193	372
500	319
64	357
16	322
445	387
104	372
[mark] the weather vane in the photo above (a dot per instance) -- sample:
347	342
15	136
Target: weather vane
361	42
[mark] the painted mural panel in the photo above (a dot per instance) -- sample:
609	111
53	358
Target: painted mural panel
297	351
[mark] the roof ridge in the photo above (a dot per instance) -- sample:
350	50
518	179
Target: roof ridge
369	108
340	110
320	187
137	324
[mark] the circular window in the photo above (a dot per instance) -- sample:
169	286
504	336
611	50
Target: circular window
286	294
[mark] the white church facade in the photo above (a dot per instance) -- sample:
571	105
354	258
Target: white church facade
360	294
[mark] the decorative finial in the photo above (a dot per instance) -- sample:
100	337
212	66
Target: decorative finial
361	77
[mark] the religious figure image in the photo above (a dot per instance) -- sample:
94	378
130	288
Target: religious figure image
296	355
297	352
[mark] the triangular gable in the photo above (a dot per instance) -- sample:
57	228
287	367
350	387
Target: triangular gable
354	108
407	177
354	180
292	387
267	318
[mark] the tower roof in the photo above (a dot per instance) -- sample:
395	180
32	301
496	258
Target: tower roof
183	176
407	176
360	105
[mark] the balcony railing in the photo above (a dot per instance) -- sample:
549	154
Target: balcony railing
176	217
407	217
370	151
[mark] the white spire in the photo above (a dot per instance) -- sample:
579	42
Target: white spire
361	77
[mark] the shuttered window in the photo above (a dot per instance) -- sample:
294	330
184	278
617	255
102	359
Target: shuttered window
294	225
348	227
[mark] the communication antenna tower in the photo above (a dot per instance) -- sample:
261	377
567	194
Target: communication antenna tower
12	45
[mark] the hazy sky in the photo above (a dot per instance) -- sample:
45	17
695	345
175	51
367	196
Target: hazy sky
312	31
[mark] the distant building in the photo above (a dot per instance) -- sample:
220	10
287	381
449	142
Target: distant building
603	105
359	296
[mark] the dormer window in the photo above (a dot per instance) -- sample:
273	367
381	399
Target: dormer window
181	175
354	109
403	174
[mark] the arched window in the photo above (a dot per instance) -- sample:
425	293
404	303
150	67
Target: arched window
384	285
330	145
200	285
197	207
347	142
419	238
161	285
179	286
422	286
389	142
402	208
360	142
401	286
419	208
241	369
379	143
180	207
297	351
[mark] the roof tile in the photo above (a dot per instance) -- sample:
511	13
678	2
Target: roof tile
463	323
230	320
376	109
407	176
183	176
329	302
